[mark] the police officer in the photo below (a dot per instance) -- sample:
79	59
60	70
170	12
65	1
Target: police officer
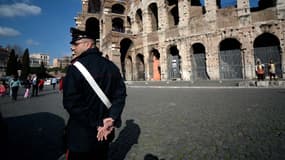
90	127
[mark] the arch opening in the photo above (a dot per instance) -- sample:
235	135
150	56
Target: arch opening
140	67
125	46
118	9
230	59
154	65
94	6
199	62
174	61
266	47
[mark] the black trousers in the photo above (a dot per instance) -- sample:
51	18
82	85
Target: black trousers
100	153
35	89
15	92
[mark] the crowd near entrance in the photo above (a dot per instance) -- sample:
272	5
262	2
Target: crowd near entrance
266	48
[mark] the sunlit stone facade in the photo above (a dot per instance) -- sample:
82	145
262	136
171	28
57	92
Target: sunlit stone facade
187	39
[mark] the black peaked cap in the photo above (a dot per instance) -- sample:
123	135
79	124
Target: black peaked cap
78	34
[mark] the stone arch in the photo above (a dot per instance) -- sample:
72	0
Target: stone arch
140	67
153	11
118	25
265	40
92	25
199	69
173	14
118	9
154	65
230	59
267	46
129	20
94	6
263	4
139	20
174	63
129	71
125	46
196	3
218	2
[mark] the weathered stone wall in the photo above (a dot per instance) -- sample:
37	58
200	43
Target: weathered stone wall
208	28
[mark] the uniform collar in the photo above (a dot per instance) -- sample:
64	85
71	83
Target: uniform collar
86	53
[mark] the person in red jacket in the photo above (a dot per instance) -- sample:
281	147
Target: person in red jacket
60	87
41	84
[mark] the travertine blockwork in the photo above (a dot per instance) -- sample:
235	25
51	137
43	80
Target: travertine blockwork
187	39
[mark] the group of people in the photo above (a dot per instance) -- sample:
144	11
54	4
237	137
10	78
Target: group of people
33	85
11	88
260	70
14	84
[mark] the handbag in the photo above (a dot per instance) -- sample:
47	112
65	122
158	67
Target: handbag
26	95
93	84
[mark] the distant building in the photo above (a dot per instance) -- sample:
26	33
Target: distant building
4	54
62	62
56	62
37	59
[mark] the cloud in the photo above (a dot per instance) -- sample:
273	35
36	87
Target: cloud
32	42
19	9
8	32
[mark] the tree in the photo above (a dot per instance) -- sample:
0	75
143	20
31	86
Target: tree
25	64
12	64
17	49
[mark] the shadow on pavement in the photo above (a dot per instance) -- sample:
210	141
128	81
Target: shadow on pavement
36	136
151	157
128	136
47	92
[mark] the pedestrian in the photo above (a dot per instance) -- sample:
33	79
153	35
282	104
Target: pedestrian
6	85
28	84
10	89
272	70
259	69
15	84
41	84
35	87
53	83
60	86
90	127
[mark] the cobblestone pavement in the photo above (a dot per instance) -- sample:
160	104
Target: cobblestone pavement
165	123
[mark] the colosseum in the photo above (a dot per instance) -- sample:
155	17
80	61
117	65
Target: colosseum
161	40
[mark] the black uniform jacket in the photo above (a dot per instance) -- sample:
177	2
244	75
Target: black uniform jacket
86	110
